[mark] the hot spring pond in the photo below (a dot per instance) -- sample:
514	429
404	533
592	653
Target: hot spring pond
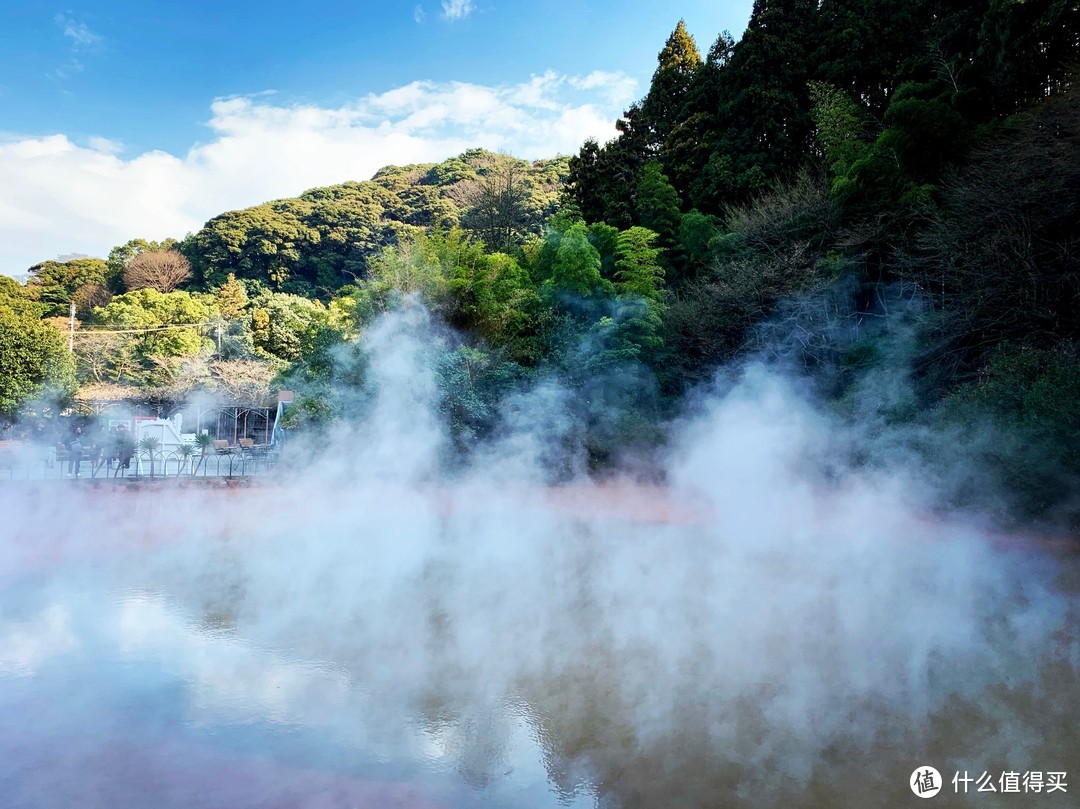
394	649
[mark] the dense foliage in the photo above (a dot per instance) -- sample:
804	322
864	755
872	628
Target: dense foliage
857	183
34	362
856	189
324	238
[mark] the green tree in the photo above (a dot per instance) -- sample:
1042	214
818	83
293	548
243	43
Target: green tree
472	383
696	233
495	299
287	327
1029	395
205	443
149	446
602	181
600	178
157	330
264	243
185	451
867	48
687	149
353	222
575	281
17	298
657	205
175	322
841	126
923	134
638	271
639	282
232	298
1029	50
54	283
419	265
605	239
664	105
762	126
34	361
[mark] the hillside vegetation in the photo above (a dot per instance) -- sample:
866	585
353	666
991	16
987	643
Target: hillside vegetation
880	197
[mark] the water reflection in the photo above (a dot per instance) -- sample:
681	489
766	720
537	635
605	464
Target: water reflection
560	664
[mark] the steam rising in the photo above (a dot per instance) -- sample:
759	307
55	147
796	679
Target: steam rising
768	629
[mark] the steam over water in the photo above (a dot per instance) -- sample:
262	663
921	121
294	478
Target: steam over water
767	630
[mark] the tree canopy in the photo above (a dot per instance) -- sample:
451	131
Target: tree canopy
326	237
850	182
34	361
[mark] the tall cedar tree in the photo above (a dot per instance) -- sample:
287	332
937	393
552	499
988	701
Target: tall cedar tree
687	148
867	48
763	125
1028	49
602	177
664	106
723	130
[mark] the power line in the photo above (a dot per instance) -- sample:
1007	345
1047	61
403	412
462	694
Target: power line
149	328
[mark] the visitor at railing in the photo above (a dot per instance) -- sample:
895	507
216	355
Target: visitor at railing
75	451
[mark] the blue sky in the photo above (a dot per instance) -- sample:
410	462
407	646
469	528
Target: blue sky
122	119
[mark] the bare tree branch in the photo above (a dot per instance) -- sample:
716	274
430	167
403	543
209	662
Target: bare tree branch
163	270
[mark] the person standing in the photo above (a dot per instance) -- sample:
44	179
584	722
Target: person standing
125	448
112	447
75	451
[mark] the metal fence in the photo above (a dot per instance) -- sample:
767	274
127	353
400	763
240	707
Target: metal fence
143	465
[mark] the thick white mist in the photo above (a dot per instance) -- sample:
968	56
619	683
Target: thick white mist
769	629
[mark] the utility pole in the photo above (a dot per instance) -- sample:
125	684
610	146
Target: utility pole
71	328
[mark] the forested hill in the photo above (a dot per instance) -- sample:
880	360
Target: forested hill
871	189
323	239
931	141
882	196
884	93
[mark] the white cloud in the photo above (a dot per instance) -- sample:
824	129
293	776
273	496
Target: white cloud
418	14
105	145
618	87
82	38
25	646
226	677
70	68
61	197
457	9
